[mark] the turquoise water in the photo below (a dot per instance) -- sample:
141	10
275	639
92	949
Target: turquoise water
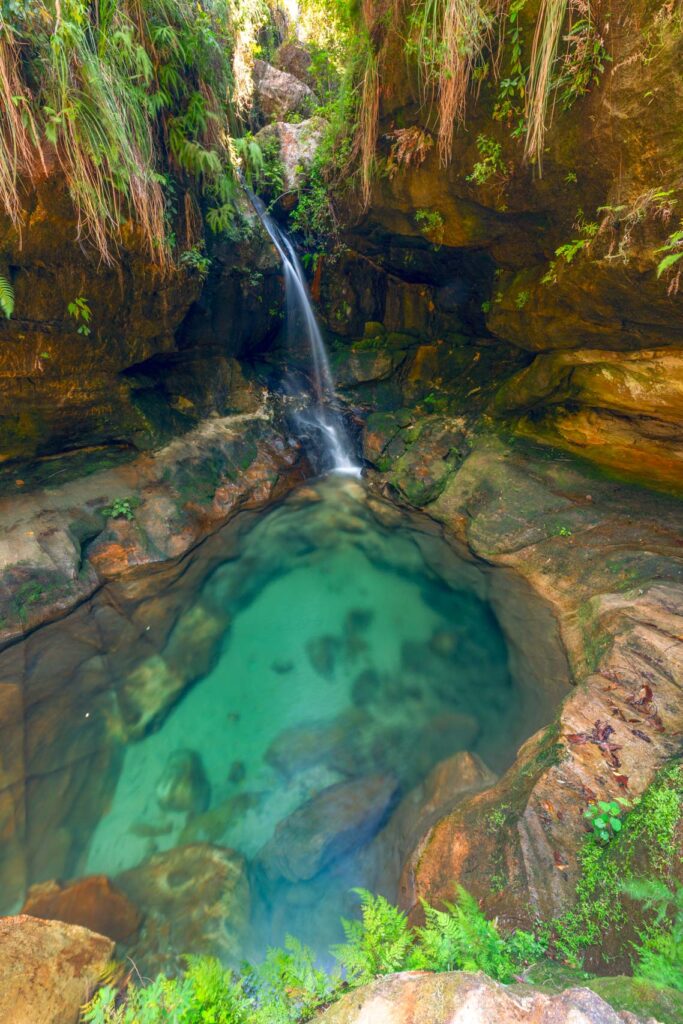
360	652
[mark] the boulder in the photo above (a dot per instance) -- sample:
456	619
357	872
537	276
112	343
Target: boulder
296	60
48	969
448	783
333	824
279	94
91	902
462	998
195	899
298	144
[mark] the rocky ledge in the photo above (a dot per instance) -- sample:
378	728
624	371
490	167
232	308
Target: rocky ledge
607	559
60	544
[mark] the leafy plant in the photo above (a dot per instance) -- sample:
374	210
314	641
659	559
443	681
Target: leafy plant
659	954
79	310
491	163
430	222
512	87
120	508
673	248
196	259
605	818
380	943
6	297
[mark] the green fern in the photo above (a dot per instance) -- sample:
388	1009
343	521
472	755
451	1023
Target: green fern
460	938
659	955
289	987
6	297
380	943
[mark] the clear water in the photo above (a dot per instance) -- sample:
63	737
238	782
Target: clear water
323	657
357	647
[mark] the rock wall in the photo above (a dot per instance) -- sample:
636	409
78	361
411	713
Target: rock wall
158	354
604	333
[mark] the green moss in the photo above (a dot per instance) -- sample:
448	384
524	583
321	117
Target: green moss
646	845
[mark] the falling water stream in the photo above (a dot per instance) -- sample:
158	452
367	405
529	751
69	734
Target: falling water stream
322	418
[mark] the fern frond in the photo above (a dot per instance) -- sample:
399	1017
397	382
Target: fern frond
6	297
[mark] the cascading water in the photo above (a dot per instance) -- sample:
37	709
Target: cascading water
328	424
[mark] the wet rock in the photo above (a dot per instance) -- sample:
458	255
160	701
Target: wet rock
322	653
147	693
237	773
329	742
279	94
195	899
48	969
365	687
91	902
212	826
183	785
282	667
448	784
444	642
462	998
336	822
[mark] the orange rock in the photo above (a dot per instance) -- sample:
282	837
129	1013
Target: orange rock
92	902
48	969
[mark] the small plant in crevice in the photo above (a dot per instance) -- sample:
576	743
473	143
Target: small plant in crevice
570	250
409	148
80	311
120	508
604	818
195	259
6	297
491	165
430	222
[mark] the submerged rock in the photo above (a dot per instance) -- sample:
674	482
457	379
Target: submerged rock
334	743
336	822
48	969
322	653
183	785
462	998
195	899
91	902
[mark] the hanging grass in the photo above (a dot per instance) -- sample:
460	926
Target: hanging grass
119	93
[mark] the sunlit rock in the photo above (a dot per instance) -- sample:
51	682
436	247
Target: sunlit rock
48	969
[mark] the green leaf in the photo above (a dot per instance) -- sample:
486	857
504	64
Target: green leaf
616	824
6	297
668	262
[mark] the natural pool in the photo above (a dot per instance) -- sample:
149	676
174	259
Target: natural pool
282	694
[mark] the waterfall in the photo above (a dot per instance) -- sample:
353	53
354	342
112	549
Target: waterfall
324	419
